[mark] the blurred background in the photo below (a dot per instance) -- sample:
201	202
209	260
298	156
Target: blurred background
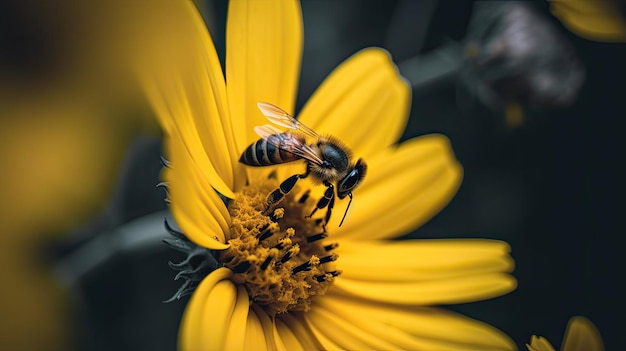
530	93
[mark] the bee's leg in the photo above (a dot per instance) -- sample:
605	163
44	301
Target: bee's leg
285	187
329	210
327	200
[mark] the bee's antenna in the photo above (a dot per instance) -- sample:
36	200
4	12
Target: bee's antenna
345	213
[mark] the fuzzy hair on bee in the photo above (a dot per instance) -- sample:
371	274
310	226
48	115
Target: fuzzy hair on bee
336	153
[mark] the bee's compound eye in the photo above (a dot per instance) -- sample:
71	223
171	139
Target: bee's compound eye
350	181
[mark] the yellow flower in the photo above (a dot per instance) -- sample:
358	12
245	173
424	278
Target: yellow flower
284	282
599	20
580	335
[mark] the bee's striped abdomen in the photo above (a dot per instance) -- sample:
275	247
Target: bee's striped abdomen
262	153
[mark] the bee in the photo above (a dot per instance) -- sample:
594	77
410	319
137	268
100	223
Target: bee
328	160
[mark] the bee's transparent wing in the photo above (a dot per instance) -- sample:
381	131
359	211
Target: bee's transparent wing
267	131
288	142
279	117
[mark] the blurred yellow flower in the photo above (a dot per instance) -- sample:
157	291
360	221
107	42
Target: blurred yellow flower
63	84
281	284
580	335
598	20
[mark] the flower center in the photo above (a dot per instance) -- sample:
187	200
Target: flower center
280	256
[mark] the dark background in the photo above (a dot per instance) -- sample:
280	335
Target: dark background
550	187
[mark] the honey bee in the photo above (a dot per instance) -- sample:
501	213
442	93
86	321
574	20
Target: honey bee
328	160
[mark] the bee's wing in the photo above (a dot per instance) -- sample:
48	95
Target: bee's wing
288	142
278	116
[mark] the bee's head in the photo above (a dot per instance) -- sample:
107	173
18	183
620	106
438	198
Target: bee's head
352	179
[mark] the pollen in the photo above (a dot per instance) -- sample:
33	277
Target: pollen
280	256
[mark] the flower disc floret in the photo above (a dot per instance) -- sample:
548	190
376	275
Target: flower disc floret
277	253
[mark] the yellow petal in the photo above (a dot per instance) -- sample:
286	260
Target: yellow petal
255	336
263	54
429	292
345	334
539	344
205	232
237	325
364	103
182	169
403	188
208	313
184	83
199	235
600	20
288	338
582	335
411	327
197	208
269	329
421	260
296	324
217	314
327	342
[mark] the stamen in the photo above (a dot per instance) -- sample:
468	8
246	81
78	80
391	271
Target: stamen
306	266
286	257
275	252
327	277
329	258
331	246
305	196
294	250
282	243
316	237
241	267
266	263
290	232
277	214
264	227
265	234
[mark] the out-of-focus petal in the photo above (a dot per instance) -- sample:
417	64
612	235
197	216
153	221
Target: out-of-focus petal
403	188
599	20
421	260
364	103
582	335
403	327
185	85
539	343
263	54
208	313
